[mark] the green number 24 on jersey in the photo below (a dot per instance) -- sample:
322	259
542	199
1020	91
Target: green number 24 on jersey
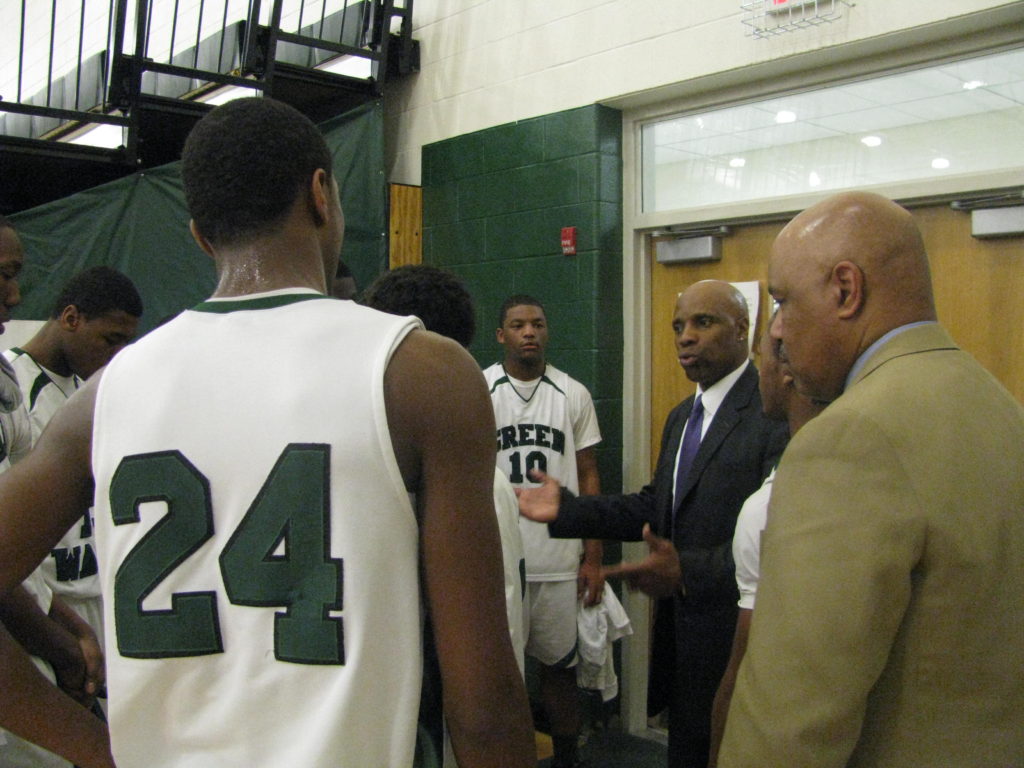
279	556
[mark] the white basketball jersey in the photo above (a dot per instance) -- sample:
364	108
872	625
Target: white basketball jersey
542	427
257	546
71	568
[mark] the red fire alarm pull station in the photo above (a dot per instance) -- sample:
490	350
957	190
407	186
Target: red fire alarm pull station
568	241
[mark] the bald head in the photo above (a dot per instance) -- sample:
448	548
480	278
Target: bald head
725	294
878	236
710	325
845	271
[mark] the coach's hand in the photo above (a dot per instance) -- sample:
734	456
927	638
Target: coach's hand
658	574
540	504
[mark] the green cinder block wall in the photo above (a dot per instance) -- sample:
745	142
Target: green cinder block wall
494	204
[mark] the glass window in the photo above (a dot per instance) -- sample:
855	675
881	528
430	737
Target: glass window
956	119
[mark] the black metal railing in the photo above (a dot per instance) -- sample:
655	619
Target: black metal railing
32	109
151	48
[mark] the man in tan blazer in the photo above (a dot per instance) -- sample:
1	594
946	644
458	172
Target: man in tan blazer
889	628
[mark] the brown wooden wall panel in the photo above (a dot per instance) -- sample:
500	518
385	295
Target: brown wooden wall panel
979	285
405	225
979	292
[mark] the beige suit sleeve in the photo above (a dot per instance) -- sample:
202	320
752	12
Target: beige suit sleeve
843	536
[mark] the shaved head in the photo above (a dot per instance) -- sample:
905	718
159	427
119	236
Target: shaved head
711	325
872	232
845	272
726	294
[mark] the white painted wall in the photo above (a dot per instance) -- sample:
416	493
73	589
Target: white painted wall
489	62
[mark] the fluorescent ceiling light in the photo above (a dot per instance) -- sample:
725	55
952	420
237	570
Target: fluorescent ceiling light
351	66
228	93
970	85
101	135
940	163
737	162
814	179
785	116
871	141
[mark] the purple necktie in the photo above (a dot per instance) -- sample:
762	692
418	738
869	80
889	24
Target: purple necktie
691	442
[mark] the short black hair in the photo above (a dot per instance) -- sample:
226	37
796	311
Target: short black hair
245	164
97	291
5	222
436	296
516	300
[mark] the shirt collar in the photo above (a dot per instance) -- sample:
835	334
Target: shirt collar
712	397
861	361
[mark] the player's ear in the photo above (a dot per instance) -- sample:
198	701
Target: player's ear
70	317
319	197
200	240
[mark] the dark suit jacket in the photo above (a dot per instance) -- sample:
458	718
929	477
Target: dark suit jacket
693	632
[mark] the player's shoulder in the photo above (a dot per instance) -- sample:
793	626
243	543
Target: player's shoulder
423	353
565	383
20	360
494	374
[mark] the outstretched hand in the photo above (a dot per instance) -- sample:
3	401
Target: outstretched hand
540	504
658	574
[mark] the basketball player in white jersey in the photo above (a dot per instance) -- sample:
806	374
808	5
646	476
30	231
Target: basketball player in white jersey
255	535
546	421
40	725
442	303
95	315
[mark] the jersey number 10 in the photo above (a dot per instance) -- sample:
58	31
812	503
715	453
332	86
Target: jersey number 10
278	556
534	460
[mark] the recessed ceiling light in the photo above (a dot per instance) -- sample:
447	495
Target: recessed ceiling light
785	116
871	141
814	179
970	85
737	162
940	163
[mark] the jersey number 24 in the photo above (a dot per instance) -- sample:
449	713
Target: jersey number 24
279	556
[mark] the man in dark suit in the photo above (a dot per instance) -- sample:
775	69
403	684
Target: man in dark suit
716	449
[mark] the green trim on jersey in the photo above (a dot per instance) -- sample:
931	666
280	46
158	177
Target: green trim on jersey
37	386
264	302
543	380
40	382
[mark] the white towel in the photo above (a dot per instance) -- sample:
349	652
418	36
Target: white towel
599	626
